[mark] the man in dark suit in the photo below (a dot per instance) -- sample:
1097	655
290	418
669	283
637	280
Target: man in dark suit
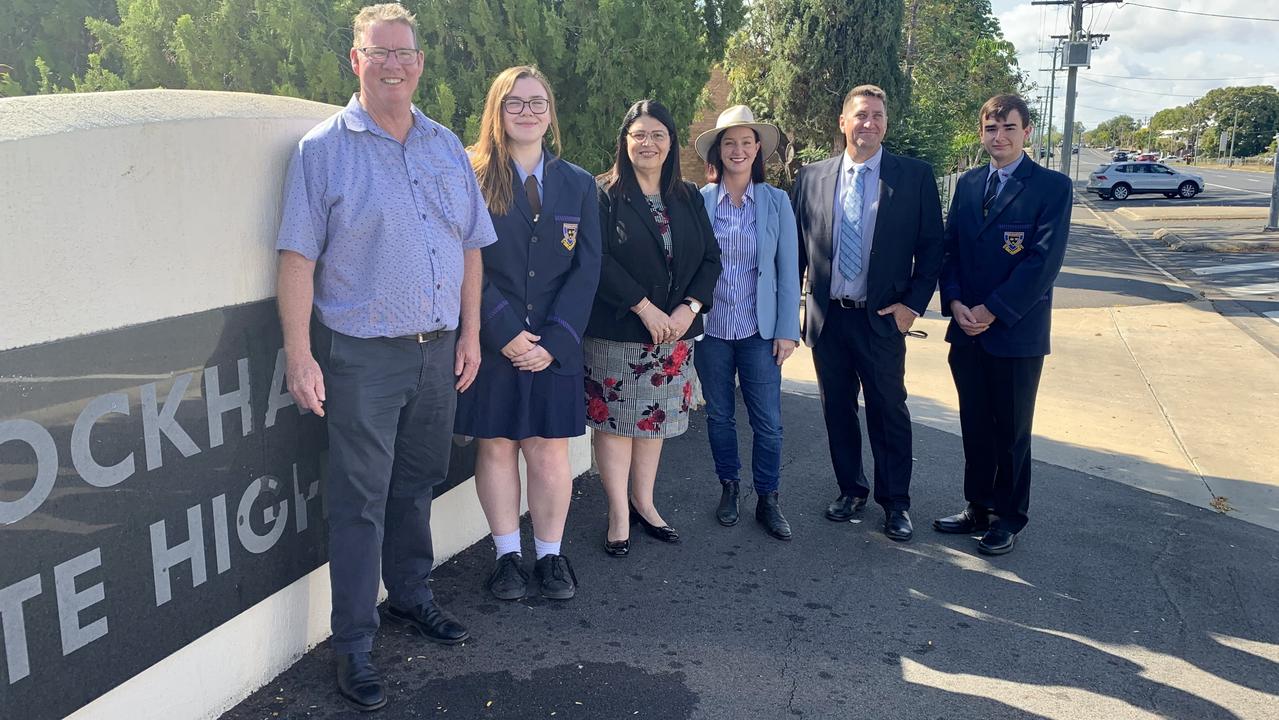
870	237
1005	240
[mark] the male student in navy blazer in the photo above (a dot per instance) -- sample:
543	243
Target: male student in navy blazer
1005	240
870	237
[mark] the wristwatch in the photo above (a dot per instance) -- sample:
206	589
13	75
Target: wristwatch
693	304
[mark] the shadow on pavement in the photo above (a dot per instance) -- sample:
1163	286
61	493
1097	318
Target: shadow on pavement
1117	603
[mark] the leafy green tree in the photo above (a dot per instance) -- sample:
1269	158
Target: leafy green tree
600	55
53	31
1119	131
794	60
1252	112
957	58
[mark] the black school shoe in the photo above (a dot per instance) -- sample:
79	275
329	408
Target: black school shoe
509	580
555	577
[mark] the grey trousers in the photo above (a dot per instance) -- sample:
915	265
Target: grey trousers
389	410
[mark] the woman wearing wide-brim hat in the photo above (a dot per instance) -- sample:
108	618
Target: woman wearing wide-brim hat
753	325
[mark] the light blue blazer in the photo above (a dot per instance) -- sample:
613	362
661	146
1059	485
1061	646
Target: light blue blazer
777	246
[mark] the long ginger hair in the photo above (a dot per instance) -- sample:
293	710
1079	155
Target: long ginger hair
491	154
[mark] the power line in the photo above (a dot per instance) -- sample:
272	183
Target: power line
1141	91
1192	12
1152	77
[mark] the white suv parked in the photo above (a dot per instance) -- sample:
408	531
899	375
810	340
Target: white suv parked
1120	179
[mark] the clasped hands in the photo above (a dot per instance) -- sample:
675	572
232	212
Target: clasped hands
661	327
973	321
525	354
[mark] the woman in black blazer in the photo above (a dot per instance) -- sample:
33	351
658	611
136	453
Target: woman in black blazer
658	273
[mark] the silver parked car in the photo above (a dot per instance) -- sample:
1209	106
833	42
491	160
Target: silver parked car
1118	180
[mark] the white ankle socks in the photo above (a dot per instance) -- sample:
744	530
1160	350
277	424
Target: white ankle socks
545	548
508	543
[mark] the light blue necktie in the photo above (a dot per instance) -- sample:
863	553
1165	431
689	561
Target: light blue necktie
850	232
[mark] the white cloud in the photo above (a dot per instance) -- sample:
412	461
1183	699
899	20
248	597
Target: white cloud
1145	47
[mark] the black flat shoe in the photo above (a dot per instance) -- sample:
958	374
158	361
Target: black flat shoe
359	683
996	542
617	548
964	522
726	513
843	508
768	514
897	525
430	622
665	533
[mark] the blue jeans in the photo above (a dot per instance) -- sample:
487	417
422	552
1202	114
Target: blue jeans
751	361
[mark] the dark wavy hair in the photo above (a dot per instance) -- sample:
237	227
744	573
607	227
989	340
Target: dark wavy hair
623	172
716	162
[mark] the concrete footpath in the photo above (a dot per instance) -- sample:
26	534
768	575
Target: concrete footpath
1128	596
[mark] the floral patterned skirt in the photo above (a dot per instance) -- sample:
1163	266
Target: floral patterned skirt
638	389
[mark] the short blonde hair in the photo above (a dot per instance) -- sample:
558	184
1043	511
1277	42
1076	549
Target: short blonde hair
385	12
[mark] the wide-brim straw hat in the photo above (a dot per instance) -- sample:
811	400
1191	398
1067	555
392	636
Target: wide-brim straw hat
740	116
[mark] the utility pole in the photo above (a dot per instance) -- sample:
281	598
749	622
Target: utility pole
1047	134
1077	35
1273	225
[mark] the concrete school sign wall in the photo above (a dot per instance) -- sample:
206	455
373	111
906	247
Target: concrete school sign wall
161	505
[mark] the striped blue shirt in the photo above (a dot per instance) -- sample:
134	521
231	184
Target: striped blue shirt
733	317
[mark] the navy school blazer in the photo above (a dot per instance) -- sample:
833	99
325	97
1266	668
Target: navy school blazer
1009	259
634	263
541	276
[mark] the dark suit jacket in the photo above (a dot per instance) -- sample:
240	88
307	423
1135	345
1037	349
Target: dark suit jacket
906	248
546	272
634	263
1008	260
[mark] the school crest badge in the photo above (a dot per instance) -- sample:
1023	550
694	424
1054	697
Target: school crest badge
569	241
1013	242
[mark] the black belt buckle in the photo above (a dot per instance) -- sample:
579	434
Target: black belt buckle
851	304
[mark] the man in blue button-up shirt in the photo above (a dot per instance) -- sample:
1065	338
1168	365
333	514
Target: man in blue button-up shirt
379	293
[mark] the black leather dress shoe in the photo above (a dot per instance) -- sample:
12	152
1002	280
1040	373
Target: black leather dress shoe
359	683
430	622
665	533
726	513
996	542
509	580
843	508
897	525
617	548
556	577
964	522
770	516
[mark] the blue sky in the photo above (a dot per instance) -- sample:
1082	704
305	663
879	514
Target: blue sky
1151	55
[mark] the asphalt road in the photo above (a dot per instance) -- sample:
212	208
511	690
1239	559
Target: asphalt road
1116	604
1223	187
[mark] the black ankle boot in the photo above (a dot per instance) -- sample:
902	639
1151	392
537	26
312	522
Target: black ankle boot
726	513
770	516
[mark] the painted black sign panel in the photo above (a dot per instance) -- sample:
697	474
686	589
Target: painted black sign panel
155	481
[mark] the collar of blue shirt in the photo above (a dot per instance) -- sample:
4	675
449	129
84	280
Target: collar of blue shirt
1006	171
537	170
723	193
871	165
358	119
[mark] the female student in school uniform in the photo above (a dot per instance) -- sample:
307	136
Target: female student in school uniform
539	279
